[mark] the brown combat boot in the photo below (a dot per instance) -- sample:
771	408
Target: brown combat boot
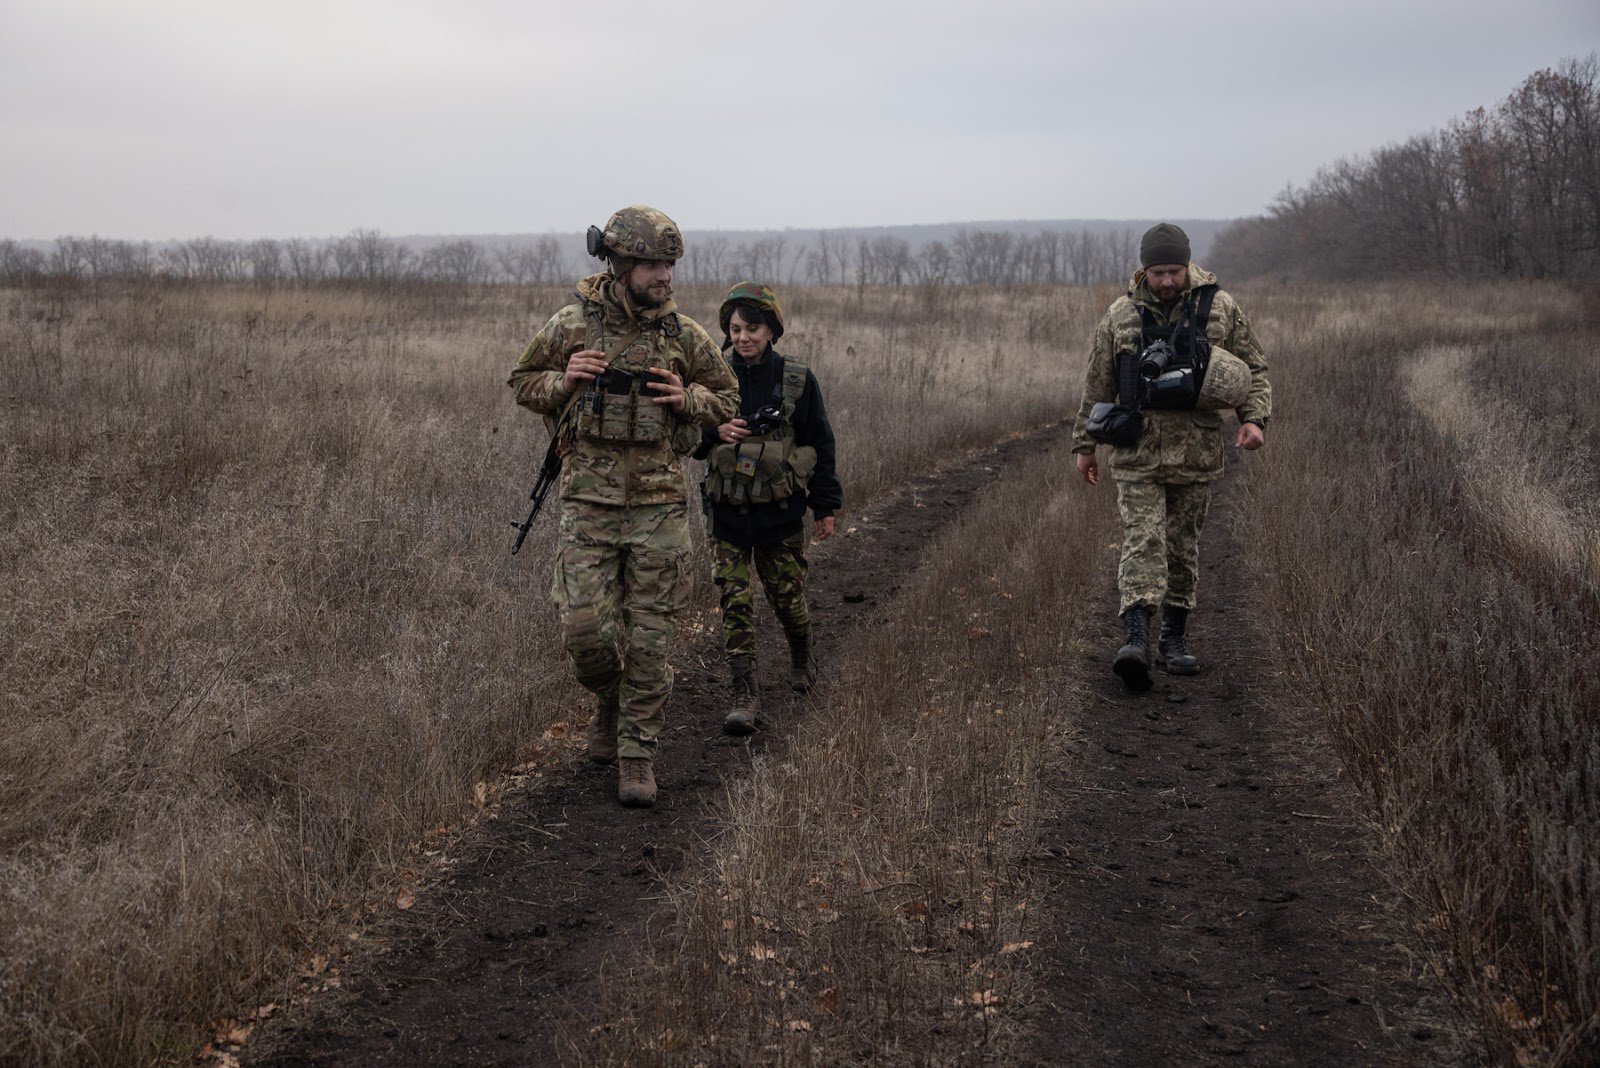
746	697
802	665
636	782
602	732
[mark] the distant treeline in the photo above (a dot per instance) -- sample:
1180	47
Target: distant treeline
1512	192
972	256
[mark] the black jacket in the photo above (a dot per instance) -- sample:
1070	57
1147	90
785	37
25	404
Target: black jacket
761	383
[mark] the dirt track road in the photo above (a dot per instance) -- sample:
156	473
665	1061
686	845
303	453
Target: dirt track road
1214	901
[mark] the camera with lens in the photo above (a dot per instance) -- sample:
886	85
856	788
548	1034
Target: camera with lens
1156	358
1171	382
765	421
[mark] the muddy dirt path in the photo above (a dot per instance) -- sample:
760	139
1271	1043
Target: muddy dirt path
1211	901
1215	895
499	962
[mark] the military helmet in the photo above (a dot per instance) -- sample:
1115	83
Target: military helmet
1227	381
758	296
641	233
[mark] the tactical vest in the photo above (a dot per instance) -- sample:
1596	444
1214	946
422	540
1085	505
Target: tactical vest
619	407
765	468
1177	386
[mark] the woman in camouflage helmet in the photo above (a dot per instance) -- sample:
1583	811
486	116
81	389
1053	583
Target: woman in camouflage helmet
764	468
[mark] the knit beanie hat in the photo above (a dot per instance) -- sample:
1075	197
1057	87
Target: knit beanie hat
1163	243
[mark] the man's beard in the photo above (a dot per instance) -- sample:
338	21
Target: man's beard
643	298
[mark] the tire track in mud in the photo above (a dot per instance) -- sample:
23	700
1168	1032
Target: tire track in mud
1212	895
504	960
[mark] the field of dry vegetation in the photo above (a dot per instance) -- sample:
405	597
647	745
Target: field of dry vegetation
263	638
262	632
1427	530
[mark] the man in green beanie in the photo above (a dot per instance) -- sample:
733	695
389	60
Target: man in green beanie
626	383
1167	358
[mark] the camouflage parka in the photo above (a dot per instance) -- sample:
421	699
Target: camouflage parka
627	473
1176	446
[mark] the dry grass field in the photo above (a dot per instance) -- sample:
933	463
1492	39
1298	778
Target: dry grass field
262	632
263	640
1426	530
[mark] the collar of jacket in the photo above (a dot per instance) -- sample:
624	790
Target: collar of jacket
744	366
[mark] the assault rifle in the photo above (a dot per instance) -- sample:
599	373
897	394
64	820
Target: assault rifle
549	472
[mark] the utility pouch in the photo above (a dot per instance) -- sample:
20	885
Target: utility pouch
1114	424
619	409
758	471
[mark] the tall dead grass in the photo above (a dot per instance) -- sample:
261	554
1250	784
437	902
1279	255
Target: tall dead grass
261	632
867	902
1453	653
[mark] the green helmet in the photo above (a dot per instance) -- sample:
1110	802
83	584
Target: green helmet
758	296
641	233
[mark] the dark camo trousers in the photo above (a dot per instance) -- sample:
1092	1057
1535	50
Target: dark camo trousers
782	570
620	582
1160	542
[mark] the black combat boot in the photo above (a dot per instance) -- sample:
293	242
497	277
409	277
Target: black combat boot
1173	647
746	697
1132	664
802	665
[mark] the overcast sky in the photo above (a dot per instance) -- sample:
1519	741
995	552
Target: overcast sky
157	119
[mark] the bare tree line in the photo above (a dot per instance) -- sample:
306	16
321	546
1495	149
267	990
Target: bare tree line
971	257
834	257
1512	192
362	256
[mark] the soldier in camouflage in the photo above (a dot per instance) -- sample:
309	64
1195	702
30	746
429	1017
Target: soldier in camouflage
1164	477
626	383
765	467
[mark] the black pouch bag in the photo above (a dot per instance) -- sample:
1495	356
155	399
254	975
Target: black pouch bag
1113	424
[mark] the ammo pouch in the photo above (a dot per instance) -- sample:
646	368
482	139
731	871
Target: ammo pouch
758	471
1114	424
619	408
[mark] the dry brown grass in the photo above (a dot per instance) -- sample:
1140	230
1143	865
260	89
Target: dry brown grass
1451	641
868	901
261	629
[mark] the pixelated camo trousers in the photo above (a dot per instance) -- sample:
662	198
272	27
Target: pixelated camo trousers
1160	542
620	581
782	571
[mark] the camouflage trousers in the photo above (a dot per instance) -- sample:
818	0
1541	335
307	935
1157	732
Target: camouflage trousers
1161	524
620	581
782	570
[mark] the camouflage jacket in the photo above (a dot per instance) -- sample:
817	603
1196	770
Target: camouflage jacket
608	472
1176	446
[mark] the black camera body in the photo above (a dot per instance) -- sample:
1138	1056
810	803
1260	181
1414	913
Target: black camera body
765	421
595	242
1156	358
1171	381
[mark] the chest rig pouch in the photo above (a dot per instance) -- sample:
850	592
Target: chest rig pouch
618	407
1171	366
768	466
